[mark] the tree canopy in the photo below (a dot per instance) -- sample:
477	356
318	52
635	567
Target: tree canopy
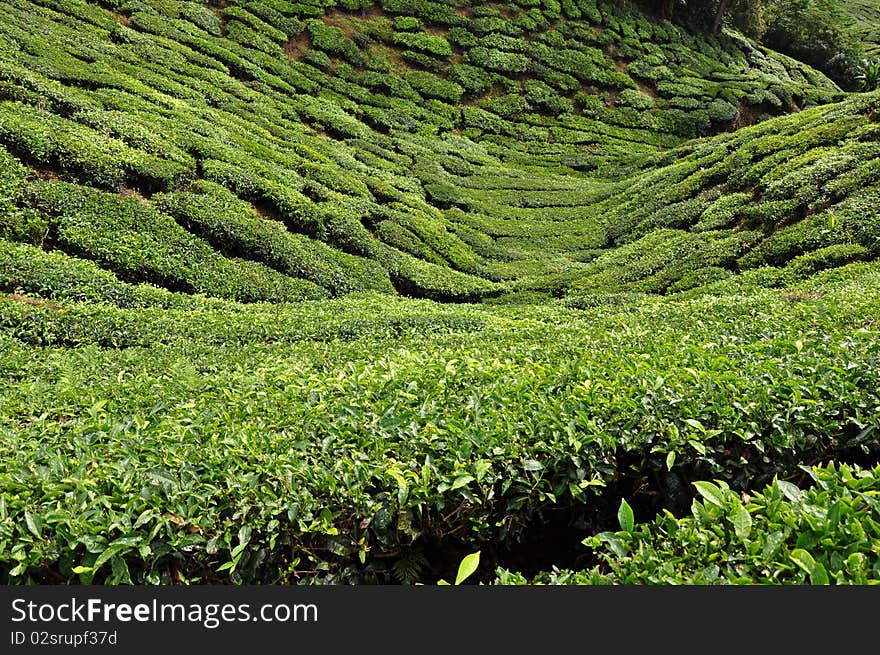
814	31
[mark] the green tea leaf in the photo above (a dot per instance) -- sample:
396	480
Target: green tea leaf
34	523
625	516
710	492
790	491
461	481
467	567
803	559
698	446
819	576
107	554
742	521
120	571
855	563
772	544
614	543
694	423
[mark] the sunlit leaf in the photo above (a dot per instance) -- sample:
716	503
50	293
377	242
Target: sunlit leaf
467	567
625	516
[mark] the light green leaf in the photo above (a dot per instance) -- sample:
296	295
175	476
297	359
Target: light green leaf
467	567
614	543
82	569
742	521
120	571
790	491
772	544
699	512
532	465
803	559
236	552
855	563
698	446
819	575
694	423
462	481
670	460
107	554
710	492
625	517
34	523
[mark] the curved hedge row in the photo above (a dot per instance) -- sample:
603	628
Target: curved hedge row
330	429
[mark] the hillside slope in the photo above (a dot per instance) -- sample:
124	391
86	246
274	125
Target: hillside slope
339	147
225	228
866	24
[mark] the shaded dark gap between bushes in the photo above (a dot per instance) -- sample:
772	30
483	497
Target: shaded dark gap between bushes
553	536
52	241
409	289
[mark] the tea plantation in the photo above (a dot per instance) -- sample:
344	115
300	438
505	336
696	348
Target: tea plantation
340	291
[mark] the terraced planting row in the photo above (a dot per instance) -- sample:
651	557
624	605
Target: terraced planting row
322	440
298	292
866	24
326	121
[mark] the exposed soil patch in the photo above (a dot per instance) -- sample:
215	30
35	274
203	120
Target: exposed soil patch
296	48
217	8
128	192
646	89
49	174
748	115
33	301
437	30
803	296
266	211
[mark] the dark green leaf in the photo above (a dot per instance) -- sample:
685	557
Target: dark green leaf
625	516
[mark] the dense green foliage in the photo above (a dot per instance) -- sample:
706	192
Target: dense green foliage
866	24
782	534
819	32
395	140
308	291
828	34
310	433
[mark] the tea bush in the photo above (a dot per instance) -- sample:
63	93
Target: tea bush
289	290
781	534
